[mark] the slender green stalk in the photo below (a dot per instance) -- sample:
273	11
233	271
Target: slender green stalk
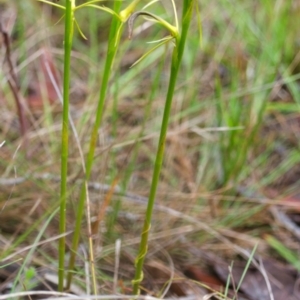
111	52
69	29
175	65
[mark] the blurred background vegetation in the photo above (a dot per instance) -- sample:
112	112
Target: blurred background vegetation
232	150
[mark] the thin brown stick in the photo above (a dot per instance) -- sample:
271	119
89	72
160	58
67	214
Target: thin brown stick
107	200
13	84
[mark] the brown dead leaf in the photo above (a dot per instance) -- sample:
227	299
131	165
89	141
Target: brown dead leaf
281	278
180	286
196	273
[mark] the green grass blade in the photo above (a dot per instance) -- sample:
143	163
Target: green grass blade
175	65
286	253
111	52
68	35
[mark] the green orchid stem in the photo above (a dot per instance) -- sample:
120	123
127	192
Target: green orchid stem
175	65
69	29
111	52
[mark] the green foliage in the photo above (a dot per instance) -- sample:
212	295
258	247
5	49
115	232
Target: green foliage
283	251
175	65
